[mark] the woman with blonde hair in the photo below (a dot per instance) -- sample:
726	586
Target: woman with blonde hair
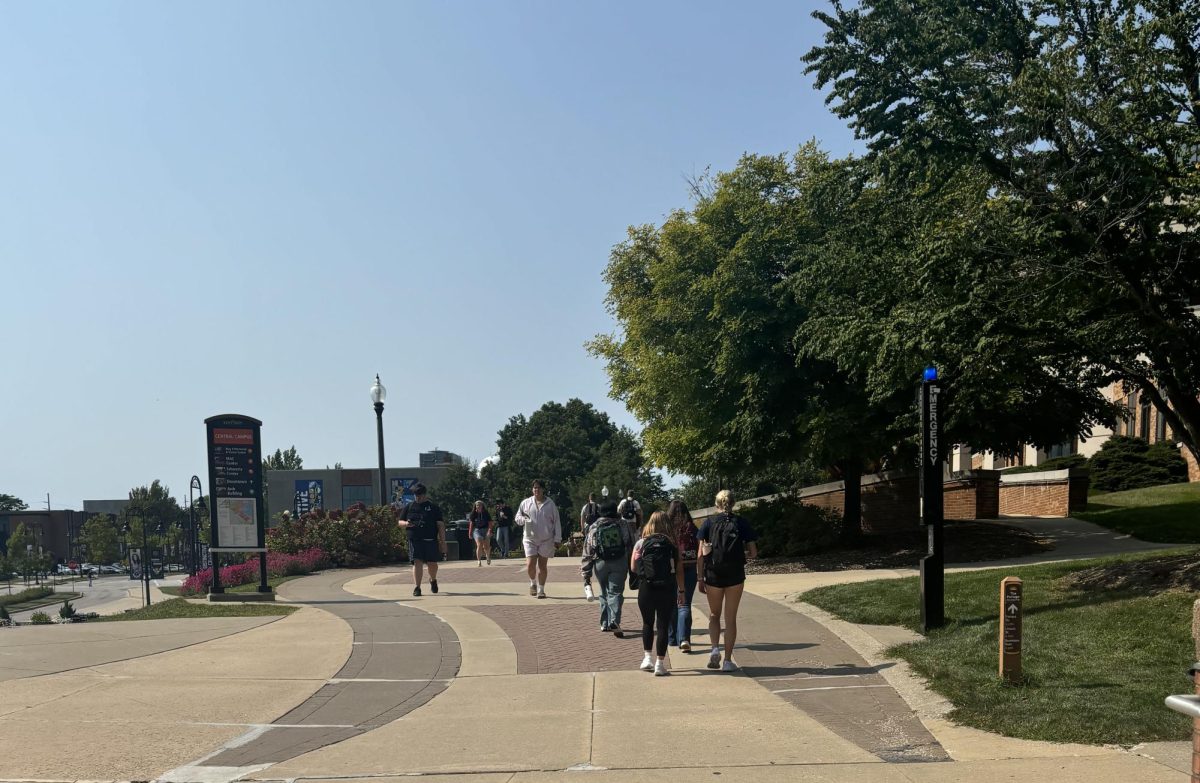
479	526
656	562
721	568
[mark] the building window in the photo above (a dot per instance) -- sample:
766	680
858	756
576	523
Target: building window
352	495
1160	427
1009	460
1144	421
1065	449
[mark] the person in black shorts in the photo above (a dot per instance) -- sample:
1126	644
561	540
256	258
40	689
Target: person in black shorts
725	541
426	536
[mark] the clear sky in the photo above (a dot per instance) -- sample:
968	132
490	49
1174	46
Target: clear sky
229	207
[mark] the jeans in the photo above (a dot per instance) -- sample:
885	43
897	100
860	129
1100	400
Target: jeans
683	617
611	575
502	540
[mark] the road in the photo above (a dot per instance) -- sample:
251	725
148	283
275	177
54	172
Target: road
106	595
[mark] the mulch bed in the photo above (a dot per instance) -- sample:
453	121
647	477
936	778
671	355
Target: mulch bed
966	542
1148	576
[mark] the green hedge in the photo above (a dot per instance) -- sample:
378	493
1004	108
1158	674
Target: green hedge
1131	463
29	594
788	528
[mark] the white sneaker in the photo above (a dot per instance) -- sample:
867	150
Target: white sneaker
541	593
533	589
480	563
647	663
588	594
714	660
729	666
660	669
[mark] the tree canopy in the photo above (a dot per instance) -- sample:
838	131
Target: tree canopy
1081	119
575	449
11	503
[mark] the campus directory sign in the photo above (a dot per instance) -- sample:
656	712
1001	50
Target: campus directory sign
236	505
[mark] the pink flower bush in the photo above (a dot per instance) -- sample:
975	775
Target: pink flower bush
278	564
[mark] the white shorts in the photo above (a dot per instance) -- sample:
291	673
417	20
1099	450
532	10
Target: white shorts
541	549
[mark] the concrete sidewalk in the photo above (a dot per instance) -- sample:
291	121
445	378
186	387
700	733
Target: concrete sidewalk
483	682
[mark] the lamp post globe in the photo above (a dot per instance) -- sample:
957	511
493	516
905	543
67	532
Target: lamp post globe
378	395
604	492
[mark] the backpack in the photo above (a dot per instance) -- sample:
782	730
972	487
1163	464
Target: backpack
610	544
656	566
728	551
591	514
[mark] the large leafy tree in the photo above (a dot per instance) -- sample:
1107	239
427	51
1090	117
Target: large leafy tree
99	539
280	460
11	503
1081	116
458	490
20	557
575	449
152	505
785	318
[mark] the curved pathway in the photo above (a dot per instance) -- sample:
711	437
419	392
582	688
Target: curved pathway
400	659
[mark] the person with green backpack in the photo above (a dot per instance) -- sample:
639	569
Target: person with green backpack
606	551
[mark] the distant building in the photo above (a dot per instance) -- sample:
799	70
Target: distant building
299	491
56	532
439	459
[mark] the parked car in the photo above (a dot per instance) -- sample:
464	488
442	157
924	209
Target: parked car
107	569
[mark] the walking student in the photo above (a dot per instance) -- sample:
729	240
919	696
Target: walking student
588	514
479	526
606	551
504	520
426	536
686	538
724	542
538	515
656	562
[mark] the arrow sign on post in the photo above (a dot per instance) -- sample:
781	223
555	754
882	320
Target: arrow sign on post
1010	629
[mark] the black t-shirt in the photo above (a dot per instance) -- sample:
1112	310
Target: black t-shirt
422	517
480	519
504	517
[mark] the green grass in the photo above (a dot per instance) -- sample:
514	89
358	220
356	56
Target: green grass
179	607
1097	663
1169	513
274	582
24	604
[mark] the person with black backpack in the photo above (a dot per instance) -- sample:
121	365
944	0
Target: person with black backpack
659	569
721	569
606	551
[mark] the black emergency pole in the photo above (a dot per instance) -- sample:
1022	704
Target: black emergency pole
933	565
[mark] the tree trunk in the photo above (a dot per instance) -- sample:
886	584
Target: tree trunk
852	515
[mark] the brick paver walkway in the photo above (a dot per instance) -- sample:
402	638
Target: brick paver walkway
553	638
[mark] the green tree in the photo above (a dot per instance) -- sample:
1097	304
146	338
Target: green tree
152	505
564	445
11	503
1082	118
99	538
20	557
280	460
458	490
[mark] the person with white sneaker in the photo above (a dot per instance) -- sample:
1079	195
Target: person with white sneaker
659	569
538	515
606	552
725	541
479	529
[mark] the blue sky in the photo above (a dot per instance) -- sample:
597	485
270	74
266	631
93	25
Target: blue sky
254	207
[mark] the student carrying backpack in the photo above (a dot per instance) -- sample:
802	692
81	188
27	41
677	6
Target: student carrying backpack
606	550
724	540
657	564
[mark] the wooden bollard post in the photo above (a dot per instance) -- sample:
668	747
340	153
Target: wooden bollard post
1010	629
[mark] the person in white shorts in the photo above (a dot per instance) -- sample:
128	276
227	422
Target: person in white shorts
543	532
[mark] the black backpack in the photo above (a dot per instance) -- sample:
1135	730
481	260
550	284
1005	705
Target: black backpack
656	567
728	550
610	544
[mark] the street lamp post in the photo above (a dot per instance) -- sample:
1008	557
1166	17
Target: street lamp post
126	529
378	395
193	532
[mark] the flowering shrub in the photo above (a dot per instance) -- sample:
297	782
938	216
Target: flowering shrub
358	536
278	564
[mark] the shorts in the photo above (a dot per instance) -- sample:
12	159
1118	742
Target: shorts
733	579
539	548
479	535
425	551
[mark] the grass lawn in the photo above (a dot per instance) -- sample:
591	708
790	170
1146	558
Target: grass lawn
179	607
37	603
1169	513
274	582
1097	663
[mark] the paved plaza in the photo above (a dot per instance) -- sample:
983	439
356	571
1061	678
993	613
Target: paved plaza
483	682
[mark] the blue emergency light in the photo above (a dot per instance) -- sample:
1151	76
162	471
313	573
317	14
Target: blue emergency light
930	374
